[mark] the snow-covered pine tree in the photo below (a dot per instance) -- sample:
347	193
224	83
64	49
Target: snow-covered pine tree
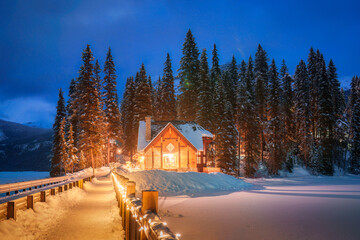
143	98
71	151
231	84
111	103
276	126
90	115
167	106
226	141
261	69
240	111
63	154
157	99
326	119
354	160
339	105
219	105
215	72
57	148
204	110
287	106
250	124
312	68
189	79
73	109
127	118
302	111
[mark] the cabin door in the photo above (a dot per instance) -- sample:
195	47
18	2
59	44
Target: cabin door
200	162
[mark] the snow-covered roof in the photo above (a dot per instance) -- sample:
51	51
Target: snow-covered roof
192	131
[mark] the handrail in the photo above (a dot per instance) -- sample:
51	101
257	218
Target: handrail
10	187
8	209
139	218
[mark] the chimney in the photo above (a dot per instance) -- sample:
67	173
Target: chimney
148	128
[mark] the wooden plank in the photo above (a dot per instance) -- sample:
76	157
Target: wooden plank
11	210
30	202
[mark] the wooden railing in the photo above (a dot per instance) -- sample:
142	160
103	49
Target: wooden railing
139	217
29	185
8	209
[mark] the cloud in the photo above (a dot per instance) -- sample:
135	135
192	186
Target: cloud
28	109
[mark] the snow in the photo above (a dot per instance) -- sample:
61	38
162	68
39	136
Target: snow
10	177
142	143
191	131
279	208
75	214
169	183
194	133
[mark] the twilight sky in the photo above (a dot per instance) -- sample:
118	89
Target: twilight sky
41	41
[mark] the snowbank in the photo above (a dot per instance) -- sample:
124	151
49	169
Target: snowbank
31	224
297	171
185	183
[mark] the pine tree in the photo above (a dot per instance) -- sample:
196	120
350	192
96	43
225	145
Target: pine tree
157	99
189	79
288	105
143	99
240	110
219	105
128	118
72	151
215	72
314	89
226	141
354	159
231	83
167	106
90	115
261	92
303	111
251	121
277	155
326	120
58	148
73	109
111	108
204	110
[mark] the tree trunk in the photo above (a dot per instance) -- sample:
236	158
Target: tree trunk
92	161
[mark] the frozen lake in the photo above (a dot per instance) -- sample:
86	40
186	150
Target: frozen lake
278	208
10	177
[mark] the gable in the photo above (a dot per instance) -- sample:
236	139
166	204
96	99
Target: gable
170	127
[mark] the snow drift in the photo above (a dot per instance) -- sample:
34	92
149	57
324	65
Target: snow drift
185	183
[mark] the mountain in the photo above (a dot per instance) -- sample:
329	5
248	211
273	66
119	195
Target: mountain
24	148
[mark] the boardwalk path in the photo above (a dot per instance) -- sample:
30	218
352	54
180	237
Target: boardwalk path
96	217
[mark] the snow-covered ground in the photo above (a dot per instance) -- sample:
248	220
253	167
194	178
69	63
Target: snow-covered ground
294	206
74	214
281	208
185	183
10	177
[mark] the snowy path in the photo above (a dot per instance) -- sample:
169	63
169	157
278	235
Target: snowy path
299	208
74	214
96	217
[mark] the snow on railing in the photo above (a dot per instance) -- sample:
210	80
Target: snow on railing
139	218
8	209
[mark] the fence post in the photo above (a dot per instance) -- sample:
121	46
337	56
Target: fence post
81	184
149	202
42	196
130	192
52	191
60	189
30	202
70	185
123	202
65	187
11	210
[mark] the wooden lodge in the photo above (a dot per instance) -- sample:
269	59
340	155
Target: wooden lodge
175	146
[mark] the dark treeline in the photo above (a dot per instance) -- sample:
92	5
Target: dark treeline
84	128
264	119
255	109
